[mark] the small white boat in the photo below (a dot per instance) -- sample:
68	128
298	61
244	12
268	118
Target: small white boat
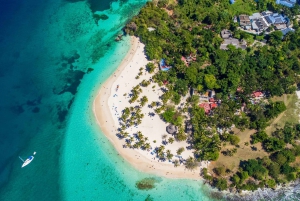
28	160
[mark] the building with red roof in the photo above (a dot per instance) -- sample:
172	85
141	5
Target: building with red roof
213	105
184	60
257	94
206	107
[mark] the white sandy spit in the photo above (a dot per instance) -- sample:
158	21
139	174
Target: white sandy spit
110	102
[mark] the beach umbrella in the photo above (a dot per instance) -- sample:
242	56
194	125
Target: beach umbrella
171	129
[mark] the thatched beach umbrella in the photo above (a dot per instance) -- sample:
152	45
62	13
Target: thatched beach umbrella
171	129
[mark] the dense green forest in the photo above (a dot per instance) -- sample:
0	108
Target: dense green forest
192	27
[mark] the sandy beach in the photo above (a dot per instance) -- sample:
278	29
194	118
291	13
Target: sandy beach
110	102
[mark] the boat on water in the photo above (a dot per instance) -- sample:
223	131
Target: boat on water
28	160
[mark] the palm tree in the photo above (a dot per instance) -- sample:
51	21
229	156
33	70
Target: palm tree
144	100
161	155
169	154
131	123
135	146
176	162
147	146
190	163
161	148
171	140
128	144
138	122
180	150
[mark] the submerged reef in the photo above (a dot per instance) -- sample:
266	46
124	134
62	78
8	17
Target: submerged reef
146	183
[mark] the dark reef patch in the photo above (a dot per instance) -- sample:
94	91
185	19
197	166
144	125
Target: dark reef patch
70	103
36	110
146	183
17	109
34	102
89	70
73	80
98	17
62	114
70	59
96	5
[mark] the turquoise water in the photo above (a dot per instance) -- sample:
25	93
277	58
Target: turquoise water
46	104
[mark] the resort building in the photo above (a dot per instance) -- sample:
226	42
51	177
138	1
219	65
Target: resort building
244	21
208	102
257	95
287	30
260	22
208	107
163	66
235	42
225	34
189	59
288	3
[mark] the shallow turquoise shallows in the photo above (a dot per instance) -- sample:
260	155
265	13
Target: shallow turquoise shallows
91	168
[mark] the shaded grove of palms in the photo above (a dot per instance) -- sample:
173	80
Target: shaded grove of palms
193	28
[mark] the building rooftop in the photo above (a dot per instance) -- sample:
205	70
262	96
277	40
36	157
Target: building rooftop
255	16
257	94
287	30
163	65
288	3
233	41
244	20
225	33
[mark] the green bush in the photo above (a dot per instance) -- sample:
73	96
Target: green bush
273	144
271	183
220	183
173	117
259	137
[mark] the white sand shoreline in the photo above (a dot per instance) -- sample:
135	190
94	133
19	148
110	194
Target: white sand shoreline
107	107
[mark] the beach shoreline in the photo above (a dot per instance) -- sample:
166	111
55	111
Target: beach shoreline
143	162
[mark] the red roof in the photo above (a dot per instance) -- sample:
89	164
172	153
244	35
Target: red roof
257	94
184	60
205	106
213	105
212	100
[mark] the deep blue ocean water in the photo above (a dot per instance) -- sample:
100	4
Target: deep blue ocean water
46	49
